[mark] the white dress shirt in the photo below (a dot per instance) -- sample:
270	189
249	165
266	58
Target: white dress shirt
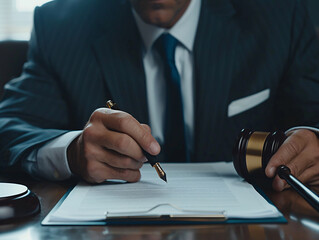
50	161
184	31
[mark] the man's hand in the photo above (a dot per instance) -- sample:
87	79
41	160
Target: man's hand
300	152
110	147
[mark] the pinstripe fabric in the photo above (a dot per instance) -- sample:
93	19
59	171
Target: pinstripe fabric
85	52
244	47
119	54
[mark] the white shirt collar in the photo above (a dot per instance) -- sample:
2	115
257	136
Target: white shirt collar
184	30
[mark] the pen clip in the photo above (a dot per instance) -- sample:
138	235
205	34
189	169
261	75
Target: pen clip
111	105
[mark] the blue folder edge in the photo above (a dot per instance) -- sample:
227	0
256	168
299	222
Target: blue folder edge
45	222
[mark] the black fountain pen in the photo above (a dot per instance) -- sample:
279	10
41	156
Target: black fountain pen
151	159
312	198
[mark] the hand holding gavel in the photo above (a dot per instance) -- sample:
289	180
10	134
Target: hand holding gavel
252	152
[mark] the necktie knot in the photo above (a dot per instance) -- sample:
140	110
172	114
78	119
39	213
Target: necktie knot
165	46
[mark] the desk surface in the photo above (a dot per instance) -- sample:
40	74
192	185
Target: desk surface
303	221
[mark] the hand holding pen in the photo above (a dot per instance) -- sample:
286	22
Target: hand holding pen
110	147
151	158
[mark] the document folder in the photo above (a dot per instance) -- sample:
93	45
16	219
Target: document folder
197	194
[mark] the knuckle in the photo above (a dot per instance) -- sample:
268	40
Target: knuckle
147	128
146	137
96	115
122	142
124	120
88	132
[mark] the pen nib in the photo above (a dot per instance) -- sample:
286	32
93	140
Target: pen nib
164	177
160	171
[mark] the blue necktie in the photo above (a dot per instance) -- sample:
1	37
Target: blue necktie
174	136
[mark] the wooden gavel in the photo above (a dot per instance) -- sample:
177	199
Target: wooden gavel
251	154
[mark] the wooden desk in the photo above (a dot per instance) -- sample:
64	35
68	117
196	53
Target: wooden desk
303	221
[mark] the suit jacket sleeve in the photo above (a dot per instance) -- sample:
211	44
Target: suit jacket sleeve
298	101
33	110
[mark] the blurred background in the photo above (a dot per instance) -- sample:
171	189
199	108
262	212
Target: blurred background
16	17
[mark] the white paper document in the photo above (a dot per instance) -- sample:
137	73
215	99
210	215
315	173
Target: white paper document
192	188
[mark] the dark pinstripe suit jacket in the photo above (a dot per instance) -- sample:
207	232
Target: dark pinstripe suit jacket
85	52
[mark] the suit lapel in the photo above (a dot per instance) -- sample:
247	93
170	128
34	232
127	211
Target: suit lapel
119	53
214	57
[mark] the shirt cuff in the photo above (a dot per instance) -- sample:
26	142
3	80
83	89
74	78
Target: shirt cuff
50	161
313	129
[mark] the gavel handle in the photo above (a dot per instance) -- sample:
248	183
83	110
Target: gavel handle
312	198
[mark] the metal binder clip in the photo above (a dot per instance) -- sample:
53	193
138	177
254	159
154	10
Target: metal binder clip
183	215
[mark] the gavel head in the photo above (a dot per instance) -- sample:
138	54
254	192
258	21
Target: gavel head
252	152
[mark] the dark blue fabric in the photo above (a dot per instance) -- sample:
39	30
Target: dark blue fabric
174	135
83	53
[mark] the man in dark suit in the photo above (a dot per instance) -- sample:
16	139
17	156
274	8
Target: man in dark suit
237	64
